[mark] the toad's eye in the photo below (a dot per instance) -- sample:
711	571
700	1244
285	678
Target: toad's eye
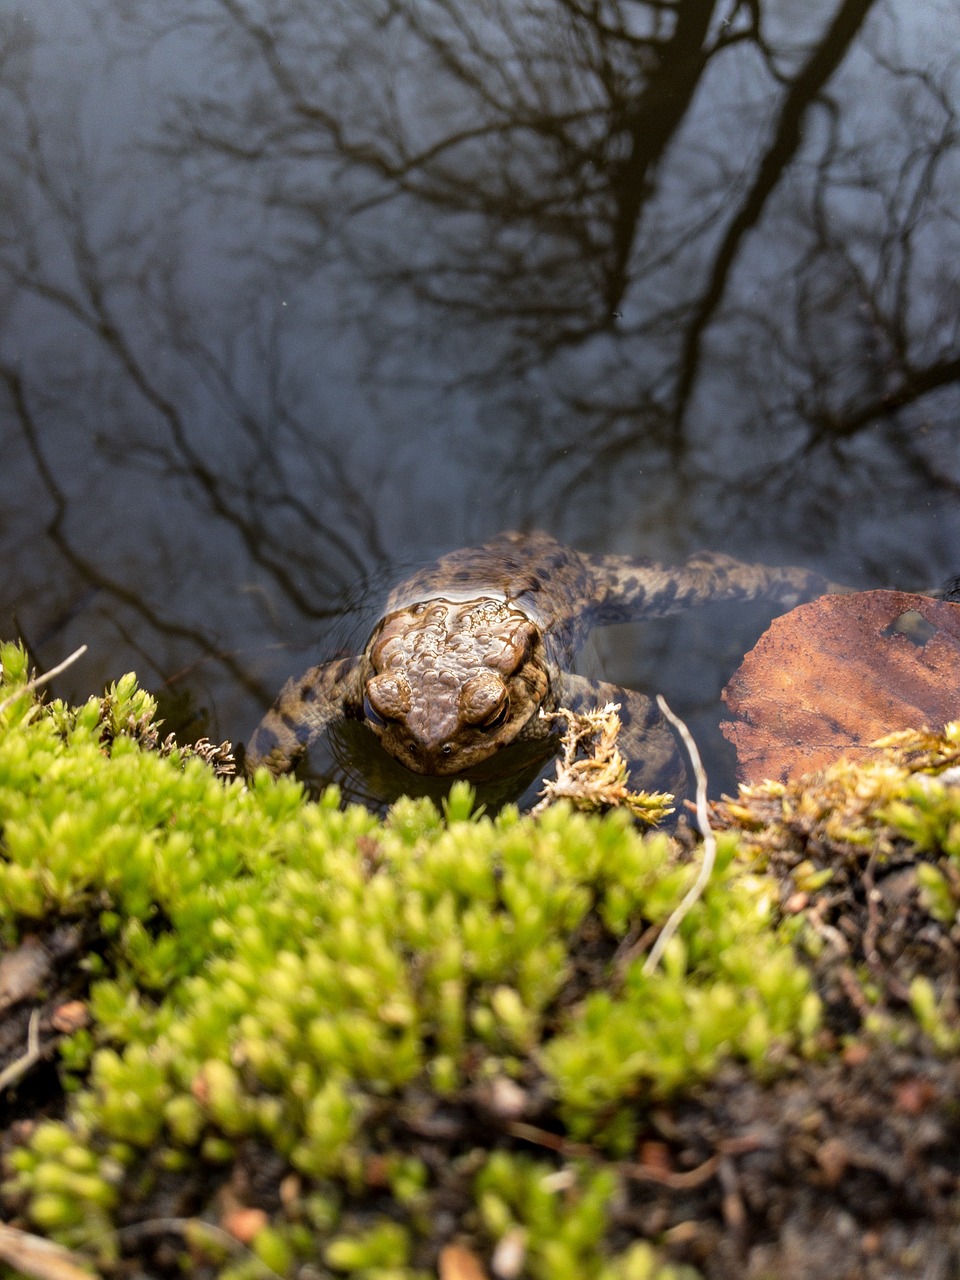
387	698
499	716
373	716
484	700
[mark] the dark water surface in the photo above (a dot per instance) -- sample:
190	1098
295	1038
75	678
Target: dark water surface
295	296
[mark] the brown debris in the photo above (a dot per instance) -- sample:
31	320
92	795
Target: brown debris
655	1156
592	773
914	1095
457	1263
244	1224
71	1016
145	731
24	972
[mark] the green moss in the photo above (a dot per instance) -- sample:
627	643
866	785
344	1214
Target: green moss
307	982
873	849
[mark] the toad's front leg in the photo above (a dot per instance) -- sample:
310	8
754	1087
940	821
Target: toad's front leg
305	708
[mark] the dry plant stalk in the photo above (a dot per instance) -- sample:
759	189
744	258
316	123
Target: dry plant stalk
20	1066
42	1259
695	892
592	773
37	681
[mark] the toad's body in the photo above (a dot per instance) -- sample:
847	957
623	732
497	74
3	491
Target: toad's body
471	648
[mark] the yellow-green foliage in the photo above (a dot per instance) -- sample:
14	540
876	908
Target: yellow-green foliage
834	835
562	1218
287	971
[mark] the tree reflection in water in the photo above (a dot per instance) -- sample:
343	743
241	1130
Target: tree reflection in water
295	294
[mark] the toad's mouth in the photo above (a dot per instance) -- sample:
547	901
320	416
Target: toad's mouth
435	753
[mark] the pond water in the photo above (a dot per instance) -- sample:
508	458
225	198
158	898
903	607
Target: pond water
295	297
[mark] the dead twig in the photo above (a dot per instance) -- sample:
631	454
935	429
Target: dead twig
552	1141
673	1180
631	949
33	1256
11	1074
827	932
695	891
872	931
670	1179
854	992
186	1228
47	676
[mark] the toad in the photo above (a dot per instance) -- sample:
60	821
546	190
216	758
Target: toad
472	648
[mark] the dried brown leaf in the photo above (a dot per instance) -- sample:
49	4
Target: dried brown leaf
833	676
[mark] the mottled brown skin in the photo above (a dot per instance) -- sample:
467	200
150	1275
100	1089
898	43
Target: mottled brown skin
471	648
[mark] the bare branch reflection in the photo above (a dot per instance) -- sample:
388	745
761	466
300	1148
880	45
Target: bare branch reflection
88	570
569	195
154	423
359	281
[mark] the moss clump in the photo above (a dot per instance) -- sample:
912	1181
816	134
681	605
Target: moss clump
355	1025
868	855
559	1220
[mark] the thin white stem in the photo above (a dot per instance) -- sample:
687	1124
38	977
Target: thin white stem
42	1259
709	843
12	1073
37	681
